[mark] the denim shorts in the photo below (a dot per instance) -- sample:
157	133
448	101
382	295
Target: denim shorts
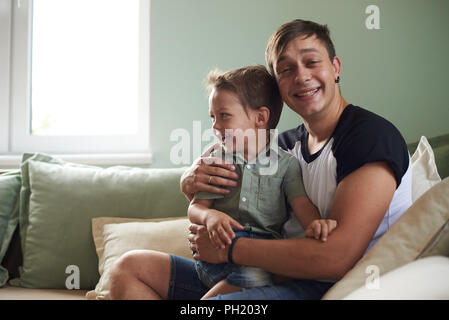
236	275
185	284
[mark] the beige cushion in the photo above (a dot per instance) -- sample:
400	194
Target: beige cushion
115	236
15	293
423	279
439	244
424	169
408	238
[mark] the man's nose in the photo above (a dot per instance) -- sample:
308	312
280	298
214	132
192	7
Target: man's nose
302	75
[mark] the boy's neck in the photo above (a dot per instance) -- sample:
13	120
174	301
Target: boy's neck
251	152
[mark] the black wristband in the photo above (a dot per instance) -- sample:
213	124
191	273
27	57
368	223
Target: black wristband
231	246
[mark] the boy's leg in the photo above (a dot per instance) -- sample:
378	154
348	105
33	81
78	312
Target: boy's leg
184	281
221	287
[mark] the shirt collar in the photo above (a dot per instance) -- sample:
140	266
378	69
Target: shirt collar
272	146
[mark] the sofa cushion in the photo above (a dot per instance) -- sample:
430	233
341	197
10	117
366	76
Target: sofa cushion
58	202
442	160
115	236
15	293
428	278
440	147
409	238
425	173
9	214
439	245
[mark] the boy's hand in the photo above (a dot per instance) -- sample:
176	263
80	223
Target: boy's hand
219	226
321	228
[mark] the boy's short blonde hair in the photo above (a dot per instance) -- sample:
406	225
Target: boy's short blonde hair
253	85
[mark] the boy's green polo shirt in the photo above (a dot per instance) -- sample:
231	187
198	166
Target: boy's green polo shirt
259	202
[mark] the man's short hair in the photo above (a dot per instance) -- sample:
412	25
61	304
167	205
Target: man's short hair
253	85
290	31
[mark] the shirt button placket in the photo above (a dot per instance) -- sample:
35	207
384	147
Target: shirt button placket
246	181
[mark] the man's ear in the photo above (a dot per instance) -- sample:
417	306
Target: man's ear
336	63
262	117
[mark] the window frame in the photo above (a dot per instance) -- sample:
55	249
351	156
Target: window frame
5	52
16	133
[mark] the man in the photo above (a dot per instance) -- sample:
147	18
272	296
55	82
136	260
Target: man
356	170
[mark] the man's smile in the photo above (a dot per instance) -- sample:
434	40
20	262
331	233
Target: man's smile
306	94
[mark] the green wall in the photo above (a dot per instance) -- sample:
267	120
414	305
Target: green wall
398	71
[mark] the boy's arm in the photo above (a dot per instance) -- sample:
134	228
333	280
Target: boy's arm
310	219
219	224
197	210
304	210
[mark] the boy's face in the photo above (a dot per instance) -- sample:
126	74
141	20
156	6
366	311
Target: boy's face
229	119
306	76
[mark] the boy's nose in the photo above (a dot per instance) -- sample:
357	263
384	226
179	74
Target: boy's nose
218	134
216	125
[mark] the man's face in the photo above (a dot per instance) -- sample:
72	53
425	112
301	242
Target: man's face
306	77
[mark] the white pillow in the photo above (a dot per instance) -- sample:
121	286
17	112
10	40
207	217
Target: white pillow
424	169
115	236
423	279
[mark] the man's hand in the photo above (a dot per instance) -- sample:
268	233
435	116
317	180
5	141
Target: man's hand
202	246
206	173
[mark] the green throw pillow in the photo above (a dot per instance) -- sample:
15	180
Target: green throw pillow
9	193
58	202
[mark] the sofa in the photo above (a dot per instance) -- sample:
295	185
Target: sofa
62	226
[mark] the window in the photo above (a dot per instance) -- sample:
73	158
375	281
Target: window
78	76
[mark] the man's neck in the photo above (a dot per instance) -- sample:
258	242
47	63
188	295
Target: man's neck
321	127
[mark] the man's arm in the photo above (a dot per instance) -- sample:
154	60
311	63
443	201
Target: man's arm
360	203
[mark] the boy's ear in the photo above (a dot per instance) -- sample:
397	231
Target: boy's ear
263	116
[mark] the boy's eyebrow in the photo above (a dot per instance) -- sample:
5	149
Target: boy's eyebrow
221	108
302	51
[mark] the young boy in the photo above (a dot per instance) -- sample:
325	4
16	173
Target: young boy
244	104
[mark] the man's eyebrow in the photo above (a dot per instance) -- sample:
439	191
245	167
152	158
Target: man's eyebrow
307	50
302	51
